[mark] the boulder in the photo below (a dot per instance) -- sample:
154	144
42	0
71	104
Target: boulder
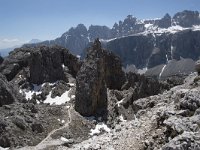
19	122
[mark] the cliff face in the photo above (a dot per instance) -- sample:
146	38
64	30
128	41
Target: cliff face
149	51
152	50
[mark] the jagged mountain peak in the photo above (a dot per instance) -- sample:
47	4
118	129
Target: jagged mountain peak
77	38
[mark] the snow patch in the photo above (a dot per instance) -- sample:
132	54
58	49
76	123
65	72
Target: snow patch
64	139
121	118
98	128
162	71
58	100
78	56
63	66
71	84
148	25
196	28
72	96
119	102
167	58
172	51
36	90
1	148
142	71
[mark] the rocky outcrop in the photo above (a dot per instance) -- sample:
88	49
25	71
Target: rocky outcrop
19	127
16	60
124	103
165	22
129	25
100	70
101	32
145	86
186	18
8	92
46	65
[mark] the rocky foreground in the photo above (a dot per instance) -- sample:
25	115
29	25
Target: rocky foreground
49	99
171	123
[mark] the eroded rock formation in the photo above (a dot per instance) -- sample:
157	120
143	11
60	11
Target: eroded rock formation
100	70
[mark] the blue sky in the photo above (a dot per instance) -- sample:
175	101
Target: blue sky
23	20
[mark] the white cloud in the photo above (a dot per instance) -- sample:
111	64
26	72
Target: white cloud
10	42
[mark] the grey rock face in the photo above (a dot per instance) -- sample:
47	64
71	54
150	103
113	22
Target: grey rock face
132	50
179	68
150	51
165	22
186	18
46	64
94	78
191	101
126	102
7	92
102	32
145	86
16	60
127	27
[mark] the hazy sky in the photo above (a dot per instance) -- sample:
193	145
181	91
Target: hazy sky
23	20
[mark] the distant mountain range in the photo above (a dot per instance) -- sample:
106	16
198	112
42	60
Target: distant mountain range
77	38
